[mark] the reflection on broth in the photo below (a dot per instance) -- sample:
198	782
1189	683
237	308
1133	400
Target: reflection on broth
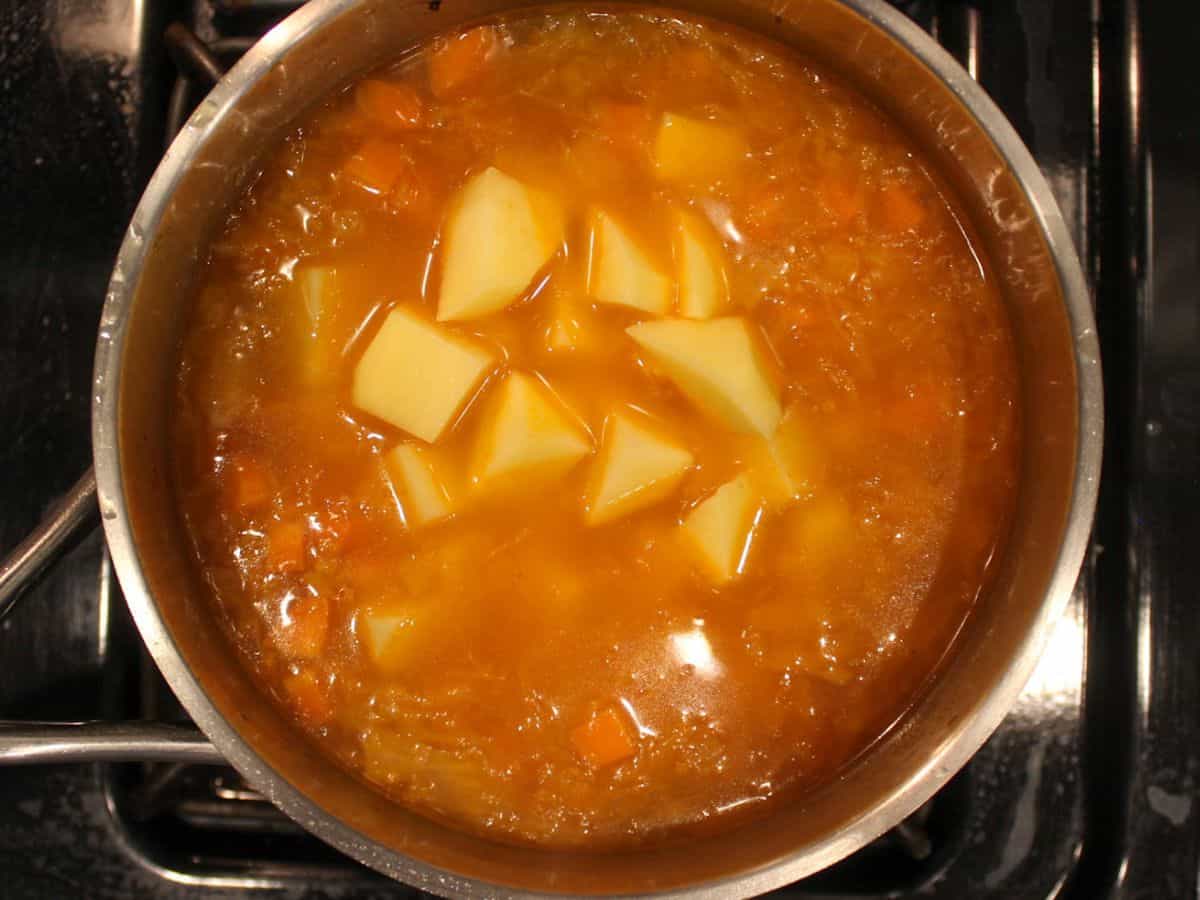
596	427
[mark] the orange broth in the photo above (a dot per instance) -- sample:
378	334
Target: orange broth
512	667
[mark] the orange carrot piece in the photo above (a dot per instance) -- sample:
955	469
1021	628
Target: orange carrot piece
287	545
603	739
843	200
389	103
308	697
765	213
458	60
624	124
918	414
248	485
304	630
378	166
333	530
902	208
698	66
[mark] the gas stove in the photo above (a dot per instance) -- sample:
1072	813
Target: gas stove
1087	790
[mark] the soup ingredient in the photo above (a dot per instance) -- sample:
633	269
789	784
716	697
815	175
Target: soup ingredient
621	273
321	293
499	236
564	568
287	545
603	740
303	626
696	150
308	697
379	166
248	486
784	466
526	435
637	467
456	61
703	288
392	104
720	365
418	376
719	529
389	636
568	329
422	489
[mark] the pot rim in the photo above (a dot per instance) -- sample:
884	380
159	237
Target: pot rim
961	742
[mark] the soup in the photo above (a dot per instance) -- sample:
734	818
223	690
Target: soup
596	427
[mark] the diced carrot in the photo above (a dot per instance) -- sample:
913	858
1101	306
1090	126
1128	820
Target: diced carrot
843	199
902	208
699	66
765	212
917	413
287	545
248	484
389	103
333	530
304	629
625	124
603	739
378	166
458	60
308	697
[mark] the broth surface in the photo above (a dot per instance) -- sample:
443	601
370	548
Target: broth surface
490	652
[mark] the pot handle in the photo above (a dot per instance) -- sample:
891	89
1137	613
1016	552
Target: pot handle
74	515
29	743
32	743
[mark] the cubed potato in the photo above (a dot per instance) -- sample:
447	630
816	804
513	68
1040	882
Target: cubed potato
720	364
387	636
526	433
621	273
699	261
720	528
786	466
697	151
422	485
637	467
826	528
320	291
417	376
499	236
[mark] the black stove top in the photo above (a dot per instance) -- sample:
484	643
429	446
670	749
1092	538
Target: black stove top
1087	790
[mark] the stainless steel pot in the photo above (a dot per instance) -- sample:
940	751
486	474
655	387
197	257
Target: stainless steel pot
327	44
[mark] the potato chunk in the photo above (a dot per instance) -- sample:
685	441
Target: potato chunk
637	467
703	287
417	376
423	492
786	466
320	293
526	434
387	636
719	530
696	151
720	364
621	273
500	234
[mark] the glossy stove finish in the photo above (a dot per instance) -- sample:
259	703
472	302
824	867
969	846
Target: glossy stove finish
1088	789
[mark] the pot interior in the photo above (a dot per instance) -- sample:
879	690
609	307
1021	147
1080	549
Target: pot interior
328	44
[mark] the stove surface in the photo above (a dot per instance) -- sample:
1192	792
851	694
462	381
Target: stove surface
1087	790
